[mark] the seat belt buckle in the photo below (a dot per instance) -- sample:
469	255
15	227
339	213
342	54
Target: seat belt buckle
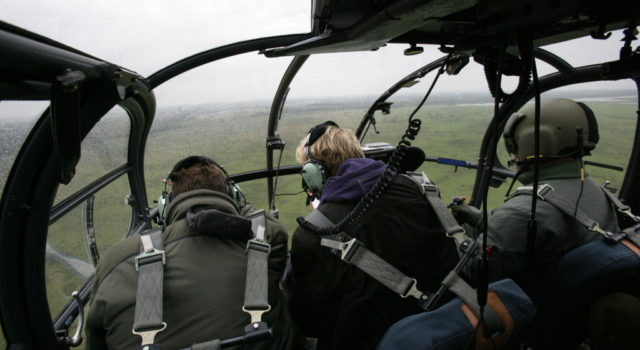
614	236
150	257
350	248
608	235
255	312
148	336
413	291
543	190
630	214
429	187
258	245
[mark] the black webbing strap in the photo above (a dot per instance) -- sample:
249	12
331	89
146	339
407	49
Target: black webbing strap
549	195
448	222
625	209
256	297
148	310
354	252
457	285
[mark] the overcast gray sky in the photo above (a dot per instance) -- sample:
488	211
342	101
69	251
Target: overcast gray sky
147	35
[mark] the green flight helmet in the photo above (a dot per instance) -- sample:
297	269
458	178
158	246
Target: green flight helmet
567	129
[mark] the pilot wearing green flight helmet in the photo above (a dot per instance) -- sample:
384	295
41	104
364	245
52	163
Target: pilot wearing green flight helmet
568	132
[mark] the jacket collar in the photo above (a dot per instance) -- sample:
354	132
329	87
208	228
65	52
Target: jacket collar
203	198
566	170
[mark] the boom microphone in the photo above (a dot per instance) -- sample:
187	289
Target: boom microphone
413	159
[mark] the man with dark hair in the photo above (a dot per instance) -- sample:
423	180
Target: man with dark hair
209	267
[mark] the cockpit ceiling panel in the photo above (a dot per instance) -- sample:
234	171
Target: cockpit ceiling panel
342	25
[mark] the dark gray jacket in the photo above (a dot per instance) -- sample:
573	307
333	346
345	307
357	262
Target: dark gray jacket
557	233
204	280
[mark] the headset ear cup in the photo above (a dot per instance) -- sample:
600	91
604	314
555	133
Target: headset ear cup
594	135
163	204
314	176
236	194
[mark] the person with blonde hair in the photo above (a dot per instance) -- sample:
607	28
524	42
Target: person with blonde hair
337	304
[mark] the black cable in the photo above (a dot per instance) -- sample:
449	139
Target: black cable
532	225
490	70
483	274
513	181
385	179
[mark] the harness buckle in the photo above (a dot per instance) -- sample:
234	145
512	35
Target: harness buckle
149	336
630	214
429	187
258	245
148	257
256	312
349	250
608	235
413	291
544	189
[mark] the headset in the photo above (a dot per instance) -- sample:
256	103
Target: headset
233	190
314	172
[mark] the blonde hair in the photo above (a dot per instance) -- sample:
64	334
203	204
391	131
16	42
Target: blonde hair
332	148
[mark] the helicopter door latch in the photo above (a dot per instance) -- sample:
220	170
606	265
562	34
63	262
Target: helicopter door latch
76	339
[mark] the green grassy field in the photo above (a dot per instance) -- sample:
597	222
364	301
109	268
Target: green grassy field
236	138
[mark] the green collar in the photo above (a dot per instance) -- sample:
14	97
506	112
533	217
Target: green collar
567	170
184	201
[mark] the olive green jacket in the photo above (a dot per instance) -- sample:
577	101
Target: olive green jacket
557	233
204	284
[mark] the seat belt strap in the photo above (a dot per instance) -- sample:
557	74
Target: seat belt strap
625	209
354	252
431	193
148	310
317	218
549	195
256	297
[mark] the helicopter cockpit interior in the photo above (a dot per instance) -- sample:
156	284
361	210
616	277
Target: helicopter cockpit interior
87	171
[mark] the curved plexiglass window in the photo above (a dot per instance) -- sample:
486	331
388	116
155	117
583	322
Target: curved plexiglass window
16	120
76	240
232	132
103	150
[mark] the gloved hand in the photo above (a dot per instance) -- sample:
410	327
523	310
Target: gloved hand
466	214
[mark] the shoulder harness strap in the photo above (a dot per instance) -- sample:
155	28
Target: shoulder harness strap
148	310
354	252
448	222
256	297
549	195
